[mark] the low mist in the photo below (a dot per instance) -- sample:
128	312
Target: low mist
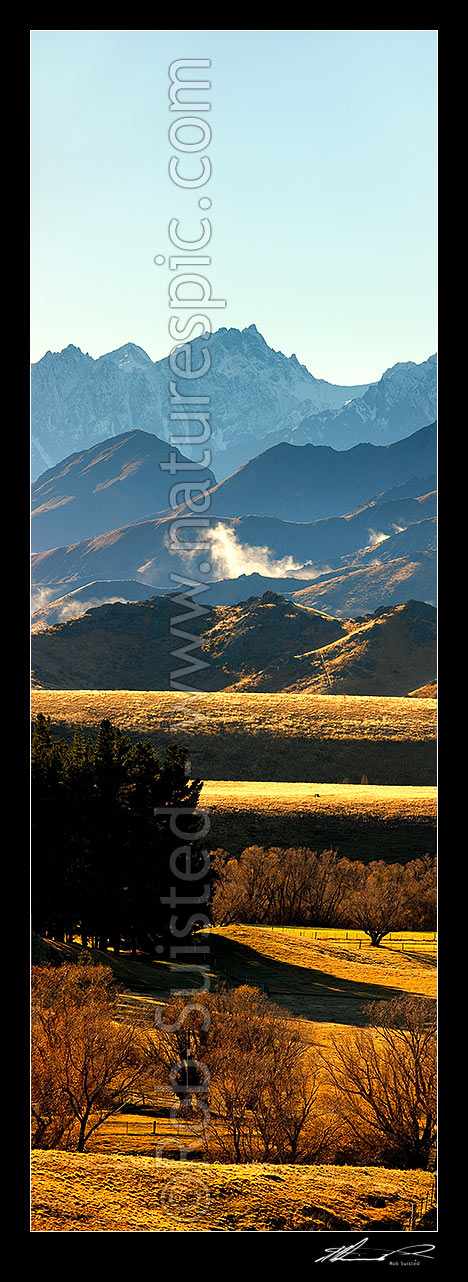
229	558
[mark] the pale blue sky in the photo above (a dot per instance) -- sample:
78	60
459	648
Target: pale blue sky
323	191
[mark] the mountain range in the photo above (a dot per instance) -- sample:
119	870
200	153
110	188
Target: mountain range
257	397
120	482
304	483
392	526
327	501
405	395
263	644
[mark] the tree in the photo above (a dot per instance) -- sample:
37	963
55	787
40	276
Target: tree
281	887
390	897
101	855
85	1065
384	1080
254	1069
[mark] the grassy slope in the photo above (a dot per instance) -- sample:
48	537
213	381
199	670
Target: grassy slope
258	737
324	984
359	589
121	1194
319	979
362	822
322	980
381	656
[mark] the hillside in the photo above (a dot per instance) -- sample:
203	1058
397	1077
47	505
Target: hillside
362	589
113	1194
242	545
135	646
323	976
95	1192
378	656
115	483
346	592
354	819
159	552
266	643
46	611
307	482
261	737
419	537
424	692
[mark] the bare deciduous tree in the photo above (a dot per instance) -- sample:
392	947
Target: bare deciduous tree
384	1081
85	1065
391	897
281	887
262	1083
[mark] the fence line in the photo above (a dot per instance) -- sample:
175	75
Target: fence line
420	1206
350	937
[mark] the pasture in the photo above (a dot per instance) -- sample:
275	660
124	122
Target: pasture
267	737
123	1194
359	821
315	975
321	979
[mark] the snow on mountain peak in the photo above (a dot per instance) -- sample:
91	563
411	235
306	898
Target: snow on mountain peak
128	358
257	396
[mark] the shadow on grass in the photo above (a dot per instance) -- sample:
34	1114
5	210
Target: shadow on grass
301	990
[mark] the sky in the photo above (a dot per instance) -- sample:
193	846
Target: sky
323	191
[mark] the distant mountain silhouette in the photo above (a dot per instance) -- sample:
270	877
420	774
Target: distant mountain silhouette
404	399
120	482
114	483
257	397
304	484
374	533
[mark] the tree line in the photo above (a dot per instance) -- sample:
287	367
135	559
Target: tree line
100	855
298	887
263	1093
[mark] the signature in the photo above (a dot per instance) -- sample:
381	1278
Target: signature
360	1251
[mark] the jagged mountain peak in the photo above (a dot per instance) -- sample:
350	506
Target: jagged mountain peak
402	367
257	397
128	357
66	354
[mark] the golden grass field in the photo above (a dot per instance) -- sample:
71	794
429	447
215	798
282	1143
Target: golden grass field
321	983
73	1193
268	737
319	979
328	979
323	979
360	821
255	752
